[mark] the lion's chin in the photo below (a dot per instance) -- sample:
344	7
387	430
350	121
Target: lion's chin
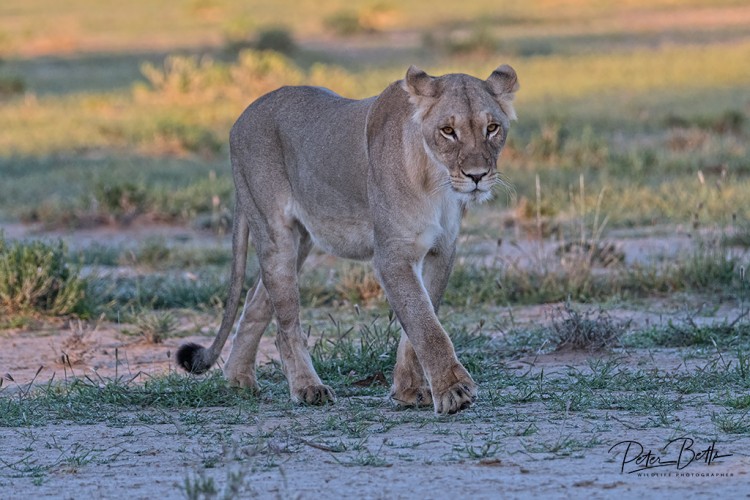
481	196
475	196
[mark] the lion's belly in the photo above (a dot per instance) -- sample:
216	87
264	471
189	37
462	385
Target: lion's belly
351	241
342	235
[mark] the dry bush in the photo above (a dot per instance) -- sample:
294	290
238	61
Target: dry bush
603	253
588	331
686	139
358	284
79	347
191	80
371	19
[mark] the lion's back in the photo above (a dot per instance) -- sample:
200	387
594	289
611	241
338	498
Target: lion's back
299	112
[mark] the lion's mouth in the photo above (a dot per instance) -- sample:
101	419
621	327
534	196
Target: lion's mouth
475	194
472	190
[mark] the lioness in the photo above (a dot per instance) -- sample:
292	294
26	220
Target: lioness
385	178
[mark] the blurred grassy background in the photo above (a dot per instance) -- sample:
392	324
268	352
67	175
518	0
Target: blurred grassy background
110	114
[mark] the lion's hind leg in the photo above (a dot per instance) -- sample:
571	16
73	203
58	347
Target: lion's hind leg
257	313
279	253
410	386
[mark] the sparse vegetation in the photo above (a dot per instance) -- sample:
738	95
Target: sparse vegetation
364	355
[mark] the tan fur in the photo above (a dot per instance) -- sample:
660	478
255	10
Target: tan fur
378	179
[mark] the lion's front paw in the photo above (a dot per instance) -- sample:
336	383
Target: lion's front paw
413	396
457	397
314	395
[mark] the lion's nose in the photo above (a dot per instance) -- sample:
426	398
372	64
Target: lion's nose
475	177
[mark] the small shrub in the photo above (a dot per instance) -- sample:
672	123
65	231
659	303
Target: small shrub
175	137
603	253
155	327
477	41
152	253
11	86
711	266
469	285
99	254
344	23
35	277
278	39
121	202
372	19
731	121
54	214
199	486
206	202
585	331
689	331
588	150
548	144
180	76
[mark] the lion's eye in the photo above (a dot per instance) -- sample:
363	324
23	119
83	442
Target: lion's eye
448	131
492	129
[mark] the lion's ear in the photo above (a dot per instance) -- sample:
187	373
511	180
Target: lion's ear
504	84
419	83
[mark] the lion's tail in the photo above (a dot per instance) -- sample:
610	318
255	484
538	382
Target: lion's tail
195	358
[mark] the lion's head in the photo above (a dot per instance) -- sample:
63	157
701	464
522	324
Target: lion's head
464	122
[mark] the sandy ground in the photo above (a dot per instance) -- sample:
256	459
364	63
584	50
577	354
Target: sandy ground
271	454
152	462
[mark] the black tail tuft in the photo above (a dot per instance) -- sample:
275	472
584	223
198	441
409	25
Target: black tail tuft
190	358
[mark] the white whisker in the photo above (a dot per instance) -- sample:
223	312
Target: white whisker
440	187
499	179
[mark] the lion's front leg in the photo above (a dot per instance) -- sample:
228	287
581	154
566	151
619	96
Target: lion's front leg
451	386
410	386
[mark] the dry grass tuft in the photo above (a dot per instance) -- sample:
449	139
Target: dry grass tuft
590	331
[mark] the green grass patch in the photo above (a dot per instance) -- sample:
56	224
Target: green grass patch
688	333
35	277
349	355
89	401
204	290
710	267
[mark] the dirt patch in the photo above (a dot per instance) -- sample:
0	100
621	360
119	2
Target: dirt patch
99	351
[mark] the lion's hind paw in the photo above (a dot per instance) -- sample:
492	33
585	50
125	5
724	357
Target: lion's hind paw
315	395
419	396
